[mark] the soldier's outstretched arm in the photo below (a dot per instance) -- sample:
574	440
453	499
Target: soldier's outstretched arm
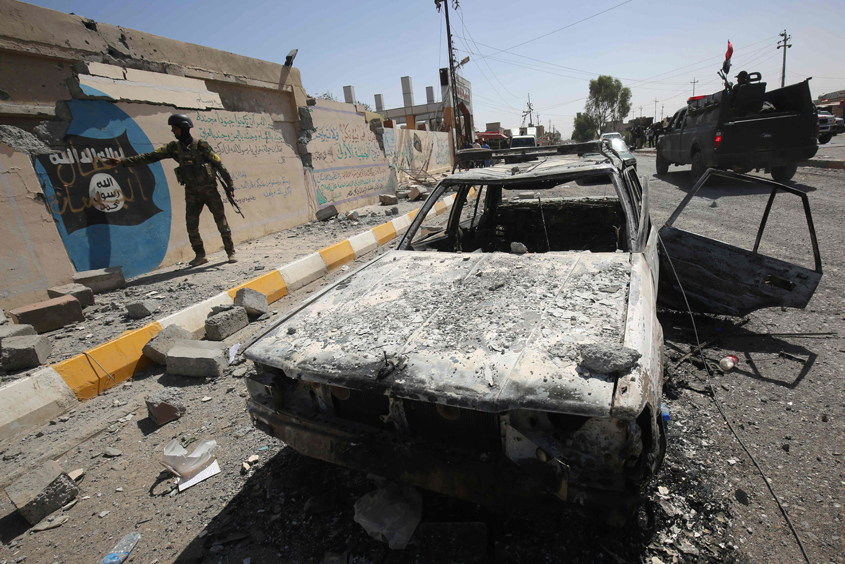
215	161
164	152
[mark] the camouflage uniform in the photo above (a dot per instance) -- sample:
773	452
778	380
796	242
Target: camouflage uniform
197	163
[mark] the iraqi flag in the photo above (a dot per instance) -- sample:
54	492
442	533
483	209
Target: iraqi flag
726	66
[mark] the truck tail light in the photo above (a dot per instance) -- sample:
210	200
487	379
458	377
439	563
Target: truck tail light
718	142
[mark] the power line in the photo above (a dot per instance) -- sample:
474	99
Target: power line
460	12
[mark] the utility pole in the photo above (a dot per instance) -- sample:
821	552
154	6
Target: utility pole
785	44
655	109
641	112
453	82
661	112
693	81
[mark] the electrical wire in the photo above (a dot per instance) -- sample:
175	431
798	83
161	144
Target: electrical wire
722	412
466	29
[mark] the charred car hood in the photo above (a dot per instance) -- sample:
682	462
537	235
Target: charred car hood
487	331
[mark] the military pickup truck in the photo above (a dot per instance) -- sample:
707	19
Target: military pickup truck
741	128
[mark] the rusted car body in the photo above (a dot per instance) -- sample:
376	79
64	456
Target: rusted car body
466	370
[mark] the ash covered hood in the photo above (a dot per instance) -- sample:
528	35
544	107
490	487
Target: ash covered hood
487	331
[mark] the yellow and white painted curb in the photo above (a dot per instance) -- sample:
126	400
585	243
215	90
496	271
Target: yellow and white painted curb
34	400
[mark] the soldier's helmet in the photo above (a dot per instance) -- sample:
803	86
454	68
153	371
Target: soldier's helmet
181	121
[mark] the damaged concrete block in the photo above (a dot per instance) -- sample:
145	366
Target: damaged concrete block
197	358
416	193
144	308
165	406
220	325
15	331
83	294
49	314
353	215
253	301
402	194
604	359
387	199
28	351
157	348
40	492
327	212
102	280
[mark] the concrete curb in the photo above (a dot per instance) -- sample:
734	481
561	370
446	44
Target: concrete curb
34	400
824	164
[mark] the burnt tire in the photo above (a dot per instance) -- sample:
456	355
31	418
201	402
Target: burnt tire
825	138
698	167
784	173
661	164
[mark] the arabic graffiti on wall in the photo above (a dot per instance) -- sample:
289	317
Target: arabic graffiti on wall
348	163
106	216
415	150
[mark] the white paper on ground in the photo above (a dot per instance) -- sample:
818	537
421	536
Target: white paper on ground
233	352
203	474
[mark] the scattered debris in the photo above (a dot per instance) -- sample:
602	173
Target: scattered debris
253	301
186	466
158	347
76	475
50	314
327	212
605	359
41	492
82	293
728	362
102	280
196	358
165	406
110	452
121	550
144	308
388	199
28	351
224	323
50	523
390	514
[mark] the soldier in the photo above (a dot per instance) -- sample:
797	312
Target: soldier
197	163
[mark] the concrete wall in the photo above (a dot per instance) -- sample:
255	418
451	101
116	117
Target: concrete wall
349	167
414	151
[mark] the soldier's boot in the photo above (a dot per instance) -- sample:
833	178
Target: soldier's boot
199	259
232	257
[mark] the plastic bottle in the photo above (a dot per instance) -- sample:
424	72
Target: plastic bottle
728	362
664	412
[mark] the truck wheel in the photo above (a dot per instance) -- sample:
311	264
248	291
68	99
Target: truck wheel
662	165
697	167
784	173
825	138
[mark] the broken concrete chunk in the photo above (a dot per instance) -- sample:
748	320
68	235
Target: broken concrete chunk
156	349
518	248
197	358
387	199
15	331
111	452
402	194
352	215
83	294
253	301
604	359
327	212
42	491
165	406
50	314
144	308
28	351
225	323
76	475
102	280
416	193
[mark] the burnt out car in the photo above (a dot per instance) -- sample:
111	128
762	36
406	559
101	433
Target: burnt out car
511	354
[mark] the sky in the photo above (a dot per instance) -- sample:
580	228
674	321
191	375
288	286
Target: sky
548	49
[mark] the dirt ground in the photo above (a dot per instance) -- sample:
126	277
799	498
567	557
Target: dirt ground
708	504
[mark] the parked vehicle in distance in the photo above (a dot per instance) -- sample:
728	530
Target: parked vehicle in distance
514	353
827	126
519	141
741	128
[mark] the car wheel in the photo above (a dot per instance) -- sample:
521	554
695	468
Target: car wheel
825	138
662	165
697	167
784	173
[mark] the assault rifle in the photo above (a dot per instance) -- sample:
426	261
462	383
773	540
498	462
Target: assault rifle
230	195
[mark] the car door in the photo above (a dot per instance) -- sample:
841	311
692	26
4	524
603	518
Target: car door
680	149
710	276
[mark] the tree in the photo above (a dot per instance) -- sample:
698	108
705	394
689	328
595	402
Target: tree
584	128
366	106
327	95
608	101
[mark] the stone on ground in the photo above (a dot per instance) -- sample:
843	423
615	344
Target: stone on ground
82	293
220	325
416	193
353	215
28	351
253	301
604	359
50	314
197	358
15	331
327	212
156	349
144	308
102	280
165	406
388	199
42	491
402	194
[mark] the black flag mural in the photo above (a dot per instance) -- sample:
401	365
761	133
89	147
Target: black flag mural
87	192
